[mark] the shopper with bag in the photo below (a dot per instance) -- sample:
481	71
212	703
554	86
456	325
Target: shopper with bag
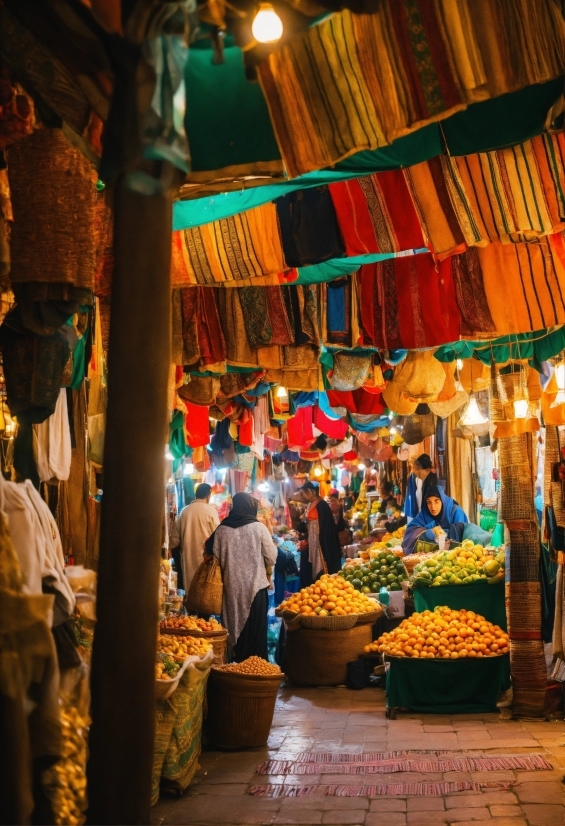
247	554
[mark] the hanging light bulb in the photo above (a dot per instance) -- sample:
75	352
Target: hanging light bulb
264	486
361	466
318	471
188	469
521	407
473	415
393	431
281	392
267	26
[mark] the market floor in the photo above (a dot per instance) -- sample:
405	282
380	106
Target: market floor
338	720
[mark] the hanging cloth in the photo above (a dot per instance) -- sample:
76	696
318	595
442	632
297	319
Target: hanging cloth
309	227
197	425
333	428
299	429
53	439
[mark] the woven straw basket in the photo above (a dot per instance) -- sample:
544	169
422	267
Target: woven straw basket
240	708
293	621
219	640
319	656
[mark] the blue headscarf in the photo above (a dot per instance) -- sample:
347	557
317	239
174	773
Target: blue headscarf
451	518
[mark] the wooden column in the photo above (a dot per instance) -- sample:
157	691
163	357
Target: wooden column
123	664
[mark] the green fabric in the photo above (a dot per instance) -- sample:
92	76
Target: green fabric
503	121
484	599
338	267
536	347
498	535
469	686
228	123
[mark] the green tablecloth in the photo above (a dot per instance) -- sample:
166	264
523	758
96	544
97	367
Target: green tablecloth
484	599
447	686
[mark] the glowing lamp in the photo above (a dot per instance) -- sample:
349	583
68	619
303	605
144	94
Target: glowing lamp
521	408
267	26
317	471
473	415
281	392
361	466
188	469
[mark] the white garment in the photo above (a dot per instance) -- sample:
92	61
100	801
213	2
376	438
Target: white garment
193	526
419	492
54	443
37	543
260	415
244	555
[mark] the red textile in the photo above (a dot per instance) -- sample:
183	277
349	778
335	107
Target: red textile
299	429
278	317
245	434
197	425
333	428
210	335
357	401
376	213
409	302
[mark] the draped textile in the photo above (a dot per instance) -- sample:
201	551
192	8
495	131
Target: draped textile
190	352
197	425
309	227
265	316
510	195
408	303
376	214
232	251
358	81
211	341
524	284
299	429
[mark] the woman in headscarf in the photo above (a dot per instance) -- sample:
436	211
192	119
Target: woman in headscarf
246	553
439	514
422	478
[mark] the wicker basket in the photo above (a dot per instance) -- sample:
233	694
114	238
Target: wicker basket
218	639
319	657
293	621
240	708
422	547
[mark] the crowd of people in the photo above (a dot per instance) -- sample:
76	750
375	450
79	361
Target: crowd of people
252	560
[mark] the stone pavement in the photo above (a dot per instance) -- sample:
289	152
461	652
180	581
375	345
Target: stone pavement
336	719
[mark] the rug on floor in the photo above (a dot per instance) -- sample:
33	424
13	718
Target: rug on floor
387	790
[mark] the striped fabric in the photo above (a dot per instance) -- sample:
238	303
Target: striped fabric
524	284
357	82
233	251
510	195
376	214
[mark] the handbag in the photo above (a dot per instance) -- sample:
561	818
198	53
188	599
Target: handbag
207	588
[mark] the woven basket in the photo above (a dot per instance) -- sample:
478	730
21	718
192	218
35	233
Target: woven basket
54	200
240	708
293	621
219	641
422	547
319	657
206	589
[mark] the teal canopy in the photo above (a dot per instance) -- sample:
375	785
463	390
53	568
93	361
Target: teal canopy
536	347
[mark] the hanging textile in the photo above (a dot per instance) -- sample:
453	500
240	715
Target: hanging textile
299	429
309	227
211	341
376	214
524	284
408	303
189	305
470	294
54	443
356	401
231	251
333	428
265	316
197	425
338	312
514	194
358	81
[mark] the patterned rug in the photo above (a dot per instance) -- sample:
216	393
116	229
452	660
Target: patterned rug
388	790
391	762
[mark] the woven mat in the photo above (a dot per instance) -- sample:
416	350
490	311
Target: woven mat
388	790
389	762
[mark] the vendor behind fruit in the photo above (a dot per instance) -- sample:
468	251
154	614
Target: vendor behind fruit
440	516
422	478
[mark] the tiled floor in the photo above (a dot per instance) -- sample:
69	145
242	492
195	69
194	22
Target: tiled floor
336	719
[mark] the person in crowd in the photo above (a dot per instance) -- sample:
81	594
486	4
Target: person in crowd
388	500
192	528
439	514
322	552
247	554
336	508
422	478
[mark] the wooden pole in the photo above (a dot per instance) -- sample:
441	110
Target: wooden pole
123	662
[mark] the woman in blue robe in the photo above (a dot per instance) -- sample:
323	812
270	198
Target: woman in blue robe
439	513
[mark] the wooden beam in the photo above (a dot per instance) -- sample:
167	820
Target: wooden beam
123	664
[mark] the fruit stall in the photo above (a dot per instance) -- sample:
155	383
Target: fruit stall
445	661
470	577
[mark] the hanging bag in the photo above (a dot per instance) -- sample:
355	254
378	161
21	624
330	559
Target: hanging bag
206	589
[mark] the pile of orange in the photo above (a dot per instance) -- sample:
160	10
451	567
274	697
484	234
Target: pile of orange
445	634
185	623
330	596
